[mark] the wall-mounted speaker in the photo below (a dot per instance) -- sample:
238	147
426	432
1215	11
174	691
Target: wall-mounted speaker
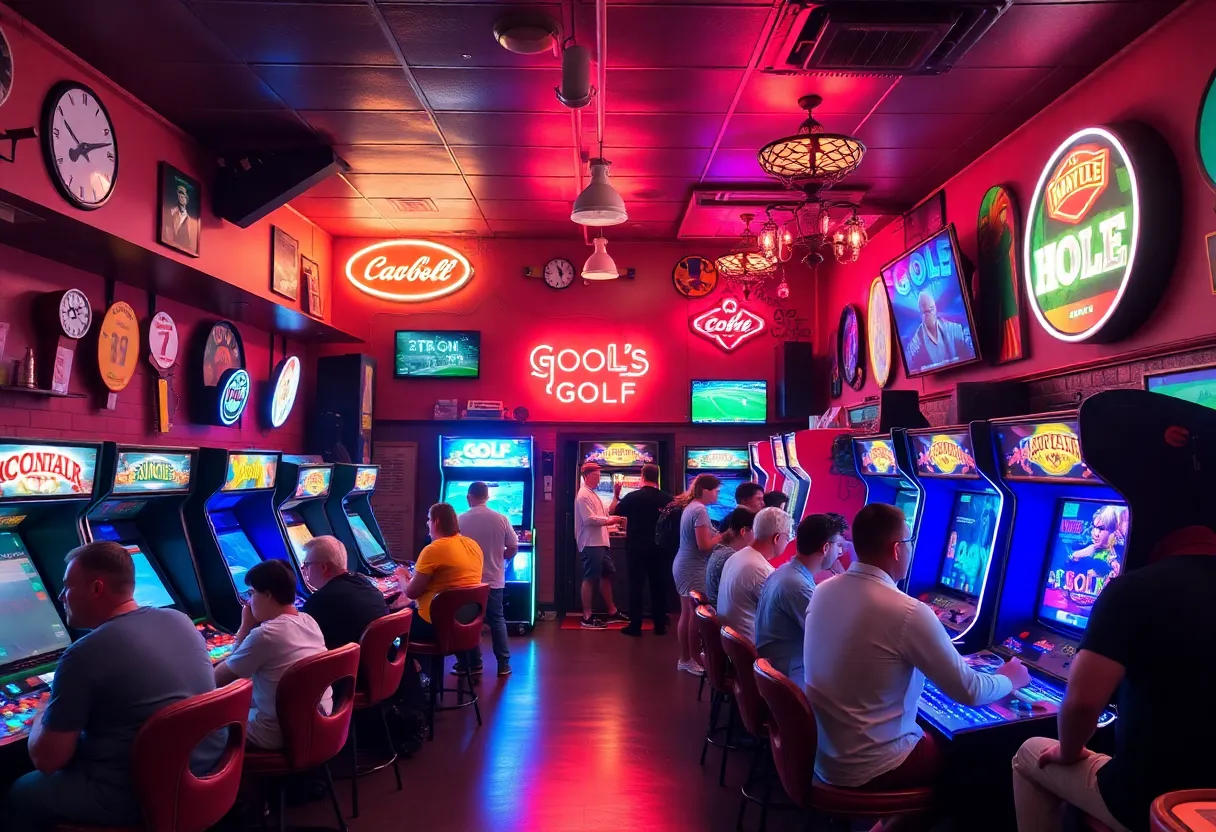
802	381
341	427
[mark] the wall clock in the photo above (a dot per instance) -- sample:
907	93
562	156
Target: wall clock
695	277
75	314
79	145
559	273
6	68
851	370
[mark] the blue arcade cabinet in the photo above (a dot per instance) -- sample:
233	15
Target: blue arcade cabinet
353	522
301	486
730	465
790	485
882	465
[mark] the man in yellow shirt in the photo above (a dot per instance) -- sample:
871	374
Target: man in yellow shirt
450	560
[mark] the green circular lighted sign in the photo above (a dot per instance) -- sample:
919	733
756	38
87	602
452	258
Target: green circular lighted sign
1205	133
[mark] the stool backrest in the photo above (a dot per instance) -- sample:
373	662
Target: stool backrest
791	731
457	616
742	654
710	631
172	797
310	736
1163	816
698	596
381	663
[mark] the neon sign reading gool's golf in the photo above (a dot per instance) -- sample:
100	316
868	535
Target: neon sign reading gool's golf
590	376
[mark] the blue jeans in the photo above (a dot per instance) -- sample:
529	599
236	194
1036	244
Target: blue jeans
498	629
39	801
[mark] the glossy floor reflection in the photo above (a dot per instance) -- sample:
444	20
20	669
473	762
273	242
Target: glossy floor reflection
593	731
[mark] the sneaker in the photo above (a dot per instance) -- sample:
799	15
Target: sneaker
691	666
504	669
592	623
458	670
612	618
636	632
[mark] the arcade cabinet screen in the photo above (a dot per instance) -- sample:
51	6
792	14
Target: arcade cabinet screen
298	534
239	554
729	402
437	354
1085	553
720	510
1198	385
906	501
629	484
29	623
368	545
150	590
969	545
506	497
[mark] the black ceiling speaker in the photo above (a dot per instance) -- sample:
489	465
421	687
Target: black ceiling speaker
251	186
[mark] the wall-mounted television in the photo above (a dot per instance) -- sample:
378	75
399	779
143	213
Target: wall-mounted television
930	306
437	353
720	401
1197	384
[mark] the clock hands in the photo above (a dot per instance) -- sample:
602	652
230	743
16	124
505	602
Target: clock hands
71	132
84	149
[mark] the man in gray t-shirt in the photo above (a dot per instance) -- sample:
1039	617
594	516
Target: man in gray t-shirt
493	532
133	662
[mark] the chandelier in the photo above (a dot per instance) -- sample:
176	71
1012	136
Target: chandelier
810	229
811	156
746	267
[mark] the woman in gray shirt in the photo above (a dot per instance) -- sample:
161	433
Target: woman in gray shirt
697	540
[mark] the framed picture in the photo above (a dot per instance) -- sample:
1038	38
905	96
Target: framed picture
878	332
996	291
924	219
180	201
837	386
312	287
285	264
1211	245
852	372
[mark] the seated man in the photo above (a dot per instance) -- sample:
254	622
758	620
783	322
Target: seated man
781	610
342	603
450	560
776	499
736	535
1162	743
272	637
749	495
868	649
745	573
133	662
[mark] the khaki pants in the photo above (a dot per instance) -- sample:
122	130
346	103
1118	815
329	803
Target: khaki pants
1040	794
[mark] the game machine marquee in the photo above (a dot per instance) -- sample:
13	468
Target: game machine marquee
233	525
301	488
730	465
791	486
350	514
1067	545
140	494
764	467
881	465
45	488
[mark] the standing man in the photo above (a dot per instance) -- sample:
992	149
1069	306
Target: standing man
641	509
746	571
591	531
493	532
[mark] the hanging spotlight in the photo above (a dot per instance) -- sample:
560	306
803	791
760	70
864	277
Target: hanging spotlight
599	204
599	265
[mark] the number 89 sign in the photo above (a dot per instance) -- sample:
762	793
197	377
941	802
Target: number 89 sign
118	347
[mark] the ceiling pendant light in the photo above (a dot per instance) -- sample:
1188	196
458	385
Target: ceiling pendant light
599	204
811	158
600	266
746	267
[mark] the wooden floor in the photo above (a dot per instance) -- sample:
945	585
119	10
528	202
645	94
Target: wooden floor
594	731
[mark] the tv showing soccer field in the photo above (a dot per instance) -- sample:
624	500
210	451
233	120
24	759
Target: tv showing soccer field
1197	385
729	402
437	354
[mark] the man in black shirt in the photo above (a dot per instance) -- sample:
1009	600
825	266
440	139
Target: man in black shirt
1151	636
641	509
342	603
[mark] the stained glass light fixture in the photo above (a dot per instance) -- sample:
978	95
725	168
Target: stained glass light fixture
746	267
812	157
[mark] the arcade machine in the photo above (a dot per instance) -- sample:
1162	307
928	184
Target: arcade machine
730	465
139	505
350	514
764	467
301	487
45	489
881	464
233	525
788	482
505	465
966	521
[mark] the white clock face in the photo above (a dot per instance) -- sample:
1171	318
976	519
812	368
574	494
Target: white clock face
559	273
75	313
81	148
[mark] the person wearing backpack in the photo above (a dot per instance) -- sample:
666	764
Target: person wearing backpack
697	540
646	562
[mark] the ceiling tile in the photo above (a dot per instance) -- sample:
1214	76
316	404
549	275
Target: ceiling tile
346	227
340	87
302	34
683	36
671	90
772	94
737	164
489	90
446	209
517	161
406	186
659	190
755	131
962	91
396	158
361	127
334	187
642	231
897	162
939	132
657	130
441	34
246	129
528	130
324	207
523	187
211	86
544	231
521	209
649	161
417	225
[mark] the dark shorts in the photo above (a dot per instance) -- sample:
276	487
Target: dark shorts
597	563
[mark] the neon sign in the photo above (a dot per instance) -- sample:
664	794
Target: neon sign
408	271
233	396
283	391
728	324
590	376
46	470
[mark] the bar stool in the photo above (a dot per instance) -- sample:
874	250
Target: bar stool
1174	812
701	600
457	616
311	738
719	672
382	657
171	797
754	715
794	739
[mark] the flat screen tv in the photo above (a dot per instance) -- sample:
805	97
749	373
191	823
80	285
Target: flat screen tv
437	354
1196	385
930	306
729	402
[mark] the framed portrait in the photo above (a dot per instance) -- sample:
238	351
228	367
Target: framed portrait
285	264
878	332
834	358
312	287
181	205
925	219
996	291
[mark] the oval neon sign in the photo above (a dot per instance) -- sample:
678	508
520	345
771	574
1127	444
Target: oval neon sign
408	271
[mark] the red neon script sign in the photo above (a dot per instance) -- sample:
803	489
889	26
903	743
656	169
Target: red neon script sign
590	376
408	271
728	324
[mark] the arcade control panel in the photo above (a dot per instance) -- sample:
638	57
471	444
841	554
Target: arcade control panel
219	644
20	700
1043	648
955	613
388	585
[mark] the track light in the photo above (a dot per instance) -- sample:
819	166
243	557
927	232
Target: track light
599	265
599	204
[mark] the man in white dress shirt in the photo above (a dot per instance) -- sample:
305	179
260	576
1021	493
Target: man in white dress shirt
745	572
867	651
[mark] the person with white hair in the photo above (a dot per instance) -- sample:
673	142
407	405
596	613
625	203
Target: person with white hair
745	573
342	602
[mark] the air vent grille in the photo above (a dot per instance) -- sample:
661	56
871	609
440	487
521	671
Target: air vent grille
422	205
858	48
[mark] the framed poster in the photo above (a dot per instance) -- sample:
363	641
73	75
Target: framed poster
878	332
312	287
833	357
181	200
997	288
285	264
925	219
851	370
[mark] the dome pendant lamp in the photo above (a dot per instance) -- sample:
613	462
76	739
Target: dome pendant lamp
599	204
599	265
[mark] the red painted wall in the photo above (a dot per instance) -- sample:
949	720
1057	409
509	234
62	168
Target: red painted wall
1157	81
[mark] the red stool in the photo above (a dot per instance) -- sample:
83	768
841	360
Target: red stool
311	738
1170	812
381	665
457	616
171	797
754	715
795	739
718	672
701	600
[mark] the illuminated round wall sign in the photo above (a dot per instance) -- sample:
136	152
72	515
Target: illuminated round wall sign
1102	233
233	396
408	271
285	384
